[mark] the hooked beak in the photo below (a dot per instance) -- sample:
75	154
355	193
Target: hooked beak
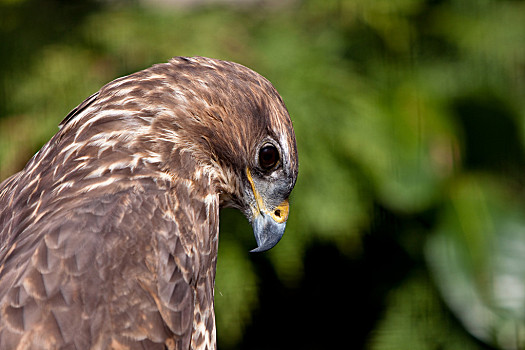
268	226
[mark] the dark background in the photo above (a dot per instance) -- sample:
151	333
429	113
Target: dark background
407	224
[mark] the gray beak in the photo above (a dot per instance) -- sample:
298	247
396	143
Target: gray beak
267	232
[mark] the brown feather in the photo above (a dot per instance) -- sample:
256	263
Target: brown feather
108	236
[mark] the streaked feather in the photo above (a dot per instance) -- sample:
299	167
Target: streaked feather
108	236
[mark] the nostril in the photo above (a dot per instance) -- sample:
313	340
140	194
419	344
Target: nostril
277	213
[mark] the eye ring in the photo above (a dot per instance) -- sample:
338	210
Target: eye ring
268	156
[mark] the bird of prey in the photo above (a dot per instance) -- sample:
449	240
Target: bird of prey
109	235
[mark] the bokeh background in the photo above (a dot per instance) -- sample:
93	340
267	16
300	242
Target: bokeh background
407	224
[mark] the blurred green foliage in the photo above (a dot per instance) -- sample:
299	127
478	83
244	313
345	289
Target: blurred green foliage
407	228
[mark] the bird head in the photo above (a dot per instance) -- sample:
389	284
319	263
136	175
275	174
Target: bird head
252	141
246	132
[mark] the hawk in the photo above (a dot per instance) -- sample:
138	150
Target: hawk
109	235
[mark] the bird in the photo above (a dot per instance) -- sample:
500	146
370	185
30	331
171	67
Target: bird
109	234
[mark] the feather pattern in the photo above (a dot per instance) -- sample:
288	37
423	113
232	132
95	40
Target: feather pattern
109	235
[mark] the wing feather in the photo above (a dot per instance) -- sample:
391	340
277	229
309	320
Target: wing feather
110	271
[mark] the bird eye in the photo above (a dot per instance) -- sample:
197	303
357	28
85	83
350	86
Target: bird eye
268	157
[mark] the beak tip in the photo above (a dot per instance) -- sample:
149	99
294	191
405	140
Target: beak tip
266	246
256	250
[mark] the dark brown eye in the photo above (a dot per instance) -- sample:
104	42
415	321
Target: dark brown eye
268	157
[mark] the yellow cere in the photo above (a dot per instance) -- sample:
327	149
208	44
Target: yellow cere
280	214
